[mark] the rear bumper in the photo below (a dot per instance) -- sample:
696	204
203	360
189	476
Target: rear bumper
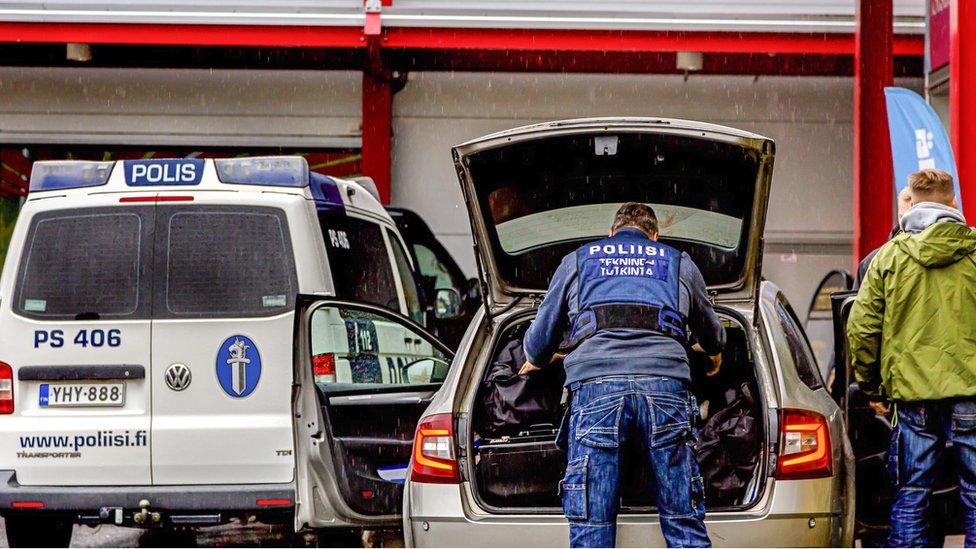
222	498
802	513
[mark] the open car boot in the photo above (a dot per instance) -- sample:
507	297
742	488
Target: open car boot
516	419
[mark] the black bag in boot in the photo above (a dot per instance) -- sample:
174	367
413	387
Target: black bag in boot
729	449
511	403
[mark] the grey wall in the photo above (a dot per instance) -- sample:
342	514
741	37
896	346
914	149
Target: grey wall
179	106
809	228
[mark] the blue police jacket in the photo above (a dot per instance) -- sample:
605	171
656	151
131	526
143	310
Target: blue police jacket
632	270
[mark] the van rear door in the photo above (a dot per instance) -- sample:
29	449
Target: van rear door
75	320
224	297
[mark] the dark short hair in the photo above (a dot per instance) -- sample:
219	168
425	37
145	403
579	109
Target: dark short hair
637	215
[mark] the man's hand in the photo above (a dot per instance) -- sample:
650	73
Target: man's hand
716	361
528	368
716	365
879	408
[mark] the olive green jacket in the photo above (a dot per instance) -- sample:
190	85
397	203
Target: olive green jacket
912	329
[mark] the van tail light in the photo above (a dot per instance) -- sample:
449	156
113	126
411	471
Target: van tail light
6	389
805	450
324	368
433	451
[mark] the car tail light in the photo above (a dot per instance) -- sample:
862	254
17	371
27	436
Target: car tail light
433	451
324	368
805	451
6	389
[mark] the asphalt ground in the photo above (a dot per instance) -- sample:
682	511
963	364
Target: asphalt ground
229	535
237	535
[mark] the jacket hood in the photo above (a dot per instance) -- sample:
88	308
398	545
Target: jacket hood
943	242
925	214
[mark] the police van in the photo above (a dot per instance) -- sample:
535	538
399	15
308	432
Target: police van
147	319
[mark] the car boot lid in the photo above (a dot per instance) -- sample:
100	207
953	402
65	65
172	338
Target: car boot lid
538	192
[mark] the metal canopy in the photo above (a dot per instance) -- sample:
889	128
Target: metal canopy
701	15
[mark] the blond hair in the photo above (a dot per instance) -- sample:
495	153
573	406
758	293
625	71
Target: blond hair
932	185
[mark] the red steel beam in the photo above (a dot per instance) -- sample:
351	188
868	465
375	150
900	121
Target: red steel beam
184	35
635	41
873	172
444	38
377	122
962	98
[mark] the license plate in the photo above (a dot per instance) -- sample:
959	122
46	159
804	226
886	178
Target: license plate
62	395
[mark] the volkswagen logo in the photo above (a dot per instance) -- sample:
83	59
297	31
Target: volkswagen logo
178	377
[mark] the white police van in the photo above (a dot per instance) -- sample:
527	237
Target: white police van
147	320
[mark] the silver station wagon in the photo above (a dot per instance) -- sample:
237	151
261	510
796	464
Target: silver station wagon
468	447
776	461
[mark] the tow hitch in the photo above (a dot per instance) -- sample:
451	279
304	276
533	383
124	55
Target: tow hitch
145	517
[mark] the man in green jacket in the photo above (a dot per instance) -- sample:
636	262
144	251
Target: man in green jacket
912	338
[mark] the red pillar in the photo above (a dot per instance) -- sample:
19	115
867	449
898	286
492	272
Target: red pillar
962	99
377	131
873	173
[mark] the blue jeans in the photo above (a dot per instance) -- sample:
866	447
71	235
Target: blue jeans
604	414
918	443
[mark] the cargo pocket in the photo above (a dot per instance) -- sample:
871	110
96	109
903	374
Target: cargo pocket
598	424
573	489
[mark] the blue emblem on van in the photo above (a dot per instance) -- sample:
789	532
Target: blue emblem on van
157	173
238	366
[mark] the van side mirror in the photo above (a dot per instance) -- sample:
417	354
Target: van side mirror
447	304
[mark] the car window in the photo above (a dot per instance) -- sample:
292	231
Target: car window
85	263
794	343
226	261
430	265
353	346
359	260
410	290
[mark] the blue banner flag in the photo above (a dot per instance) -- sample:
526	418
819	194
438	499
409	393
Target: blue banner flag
918	138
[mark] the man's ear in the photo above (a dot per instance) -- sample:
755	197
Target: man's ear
654	236
955	203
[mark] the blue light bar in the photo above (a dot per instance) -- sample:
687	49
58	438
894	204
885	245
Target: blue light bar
325	192
56	175
276	171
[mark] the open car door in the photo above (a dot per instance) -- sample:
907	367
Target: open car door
869	433
363	377
870	436
819	325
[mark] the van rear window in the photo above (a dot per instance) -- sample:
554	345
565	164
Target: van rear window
226	262
203	262
85	263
